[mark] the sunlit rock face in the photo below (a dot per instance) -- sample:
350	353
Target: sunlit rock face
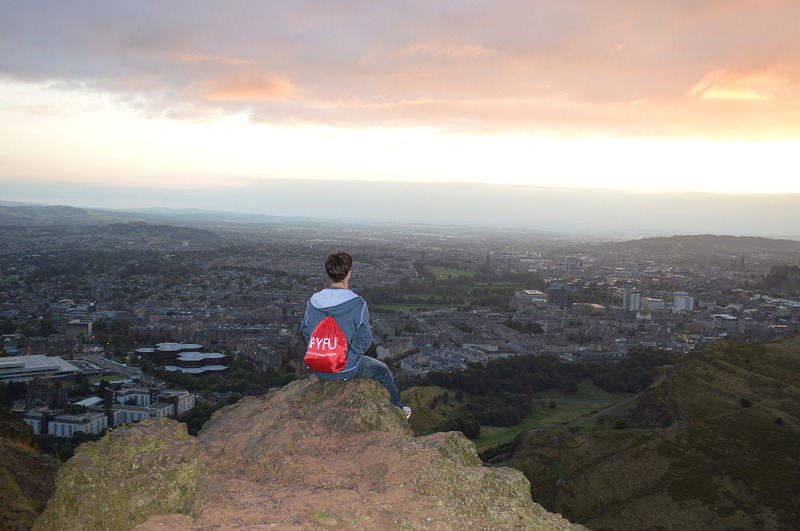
312	455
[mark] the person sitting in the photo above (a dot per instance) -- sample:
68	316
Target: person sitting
351	315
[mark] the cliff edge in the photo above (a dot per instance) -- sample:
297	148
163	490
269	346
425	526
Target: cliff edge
312	455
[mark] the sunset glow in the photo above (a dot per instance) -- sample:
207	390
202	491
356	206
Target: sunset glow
701	96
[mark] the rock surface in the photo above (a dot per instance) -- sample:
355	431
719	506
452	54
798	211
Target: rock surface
26	483
313	455
27	477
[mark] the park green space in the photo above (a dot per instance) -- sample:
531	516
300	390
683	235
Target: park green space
540	414
405	308
450	288
443	272
586	391
426	415
563	412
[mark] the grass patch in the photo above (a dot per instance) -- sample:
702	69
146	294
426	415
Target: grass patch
23	444
323	518
586	391
423	417
442	272
404	308
540	414
415	306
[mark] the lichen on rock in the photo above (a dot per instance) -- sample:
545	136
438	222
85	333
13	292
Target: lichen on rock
312	455
125	478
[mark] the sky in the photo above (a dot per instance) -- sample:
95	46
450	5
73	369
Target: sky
252	106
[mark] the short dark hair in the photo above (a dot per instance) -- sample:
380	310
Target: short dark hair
337	265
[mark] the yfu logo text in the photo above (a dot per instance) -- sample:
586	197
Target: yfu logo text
322	343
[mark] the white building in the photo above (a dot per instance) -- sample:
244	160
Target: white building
653	305
182	400
78	327
46	422
134	396
90	422
149	403
395	348
123	414
531	296
631	300
24	368
682	302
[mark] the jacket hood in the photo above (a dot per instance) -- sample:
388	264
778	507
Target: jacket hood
334	301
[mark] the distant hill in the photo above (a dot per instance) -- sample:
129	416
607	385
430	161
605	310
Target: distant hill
38	216
716	448
141	229
106	223
709	243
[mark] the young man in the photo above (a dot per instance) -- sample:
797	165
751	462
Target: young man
350	313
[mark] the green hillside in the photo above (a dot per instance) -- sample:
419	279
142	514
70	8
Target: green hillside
717	448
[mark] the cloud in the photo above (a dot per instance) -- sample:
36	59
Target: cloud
469	50
721	84
39	110
250	89
698	69
197	59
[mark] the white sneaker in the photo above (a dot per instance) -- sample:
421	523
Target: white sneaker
407	411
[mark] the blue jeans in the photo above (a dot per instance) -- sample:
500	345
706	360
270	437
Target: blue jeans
377	370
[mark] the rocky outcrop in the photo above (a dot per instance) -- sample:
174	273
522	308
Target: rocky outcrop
313	455
650	413
27	477
26	483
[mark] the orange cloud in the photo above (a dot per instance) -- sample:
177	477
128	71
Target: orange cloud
215	59
250	88
699	69
722	84
470	50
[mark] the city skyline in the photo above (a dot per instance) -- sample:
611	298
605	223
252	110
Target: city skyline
182	104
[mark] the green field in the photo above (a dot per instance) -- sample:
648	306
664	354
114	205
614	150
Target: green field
414	306
586	391
443	273
424	417
405	308
452	288
564	412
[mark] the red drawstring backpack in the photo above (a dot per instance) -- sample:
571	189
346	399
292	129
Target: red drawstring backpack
327	348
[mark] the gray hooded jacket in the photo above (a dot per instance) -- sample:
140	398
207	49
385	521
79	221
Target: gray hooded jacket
350	313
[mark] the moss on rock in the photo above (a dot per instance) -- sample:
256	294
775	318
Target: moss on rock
125	478
313	455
